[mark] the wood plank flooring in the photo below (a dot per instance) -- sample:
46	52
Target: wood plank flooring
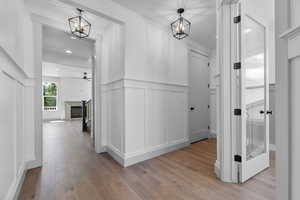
73	171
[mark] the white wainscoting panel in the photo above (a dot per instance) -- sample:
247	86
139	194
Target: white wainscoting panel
116	119
7	142
113	119
12	140
176	117
155	119
155	115
135	120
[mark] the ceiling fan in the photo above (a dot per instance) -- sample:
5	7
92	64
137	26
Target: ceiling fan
85	77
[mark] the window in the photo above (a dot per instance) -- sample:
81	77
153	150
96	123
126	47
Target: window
49	96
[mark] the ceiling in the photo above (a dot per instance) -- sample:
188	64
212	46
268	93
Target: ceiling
63	71
201	13
56	43
57	14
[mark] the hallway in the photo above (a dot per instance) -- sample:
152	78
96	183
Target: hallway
72	170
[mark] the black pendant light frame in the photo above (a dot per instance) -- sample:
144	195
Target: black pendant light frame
181	27
84	26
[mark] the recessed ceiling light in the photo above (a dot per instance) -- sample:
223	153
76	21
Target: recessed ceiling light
68	52
248	30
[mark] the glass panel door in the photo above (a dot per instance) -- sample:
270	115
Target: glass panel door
254	64
254	98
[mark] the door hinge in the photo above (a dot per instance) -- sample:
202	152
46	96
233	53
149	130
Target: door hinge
208	85
237	65
208	106
208	64
237	112
237	19
237	158
208	127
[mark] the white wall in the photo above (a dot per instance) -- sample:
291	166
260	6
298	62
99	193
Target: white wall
133	103
137	83
11	35
17	131
112	58
69	89
164	59
16	35
294	13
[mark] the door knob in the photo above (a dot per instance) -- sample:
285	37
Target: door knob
192	108
261	112
269	112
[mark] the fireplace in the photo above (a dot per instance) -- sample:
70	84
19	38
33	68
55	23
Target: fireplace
73	110
76	112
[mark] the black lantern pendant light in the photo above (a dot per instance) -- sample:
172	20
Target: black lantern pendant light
79	26
181	27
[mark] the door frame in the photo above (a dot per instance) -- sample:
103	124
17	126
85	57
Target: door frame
226	9
282	93
38	20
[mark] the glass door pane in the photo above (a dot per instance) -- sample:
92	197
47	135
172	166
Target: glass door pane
254	63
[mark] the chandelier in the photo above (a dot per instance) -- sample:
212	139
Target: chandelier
79	26
181	27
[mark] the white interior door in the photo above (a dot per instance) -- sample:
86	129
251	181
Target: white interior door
254	96
198	97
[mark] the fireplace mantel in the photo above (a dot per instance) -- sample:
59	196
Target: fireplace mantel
68	105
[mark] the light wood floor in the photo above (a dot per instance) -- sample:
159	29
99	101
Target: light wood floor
73	171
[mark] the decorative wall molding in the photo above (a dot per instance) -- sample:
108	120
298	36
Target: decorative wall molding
293	39
154	114
9	65
154	153
290	33
152	84
14	86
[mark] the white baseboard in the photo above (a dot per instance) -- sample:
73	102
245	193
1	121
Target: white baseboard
154	153
101	150
136	158
16	186
217	169
116	156
272	147
202	134
33	164
212	134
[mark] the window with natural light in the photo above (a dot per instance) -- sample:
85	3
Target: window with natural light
49	96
